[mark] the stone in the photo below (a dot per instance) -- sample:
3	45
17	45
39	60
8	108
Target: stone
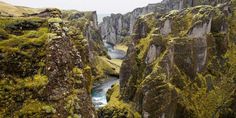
166	29
152	54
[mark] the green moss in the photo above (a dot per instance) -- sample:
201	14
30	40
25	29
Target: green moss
143	46
34	108
26	39
38	81
21	51
77	71
197	98
105	67
54	20
205	94
180	25
3	34
6	21
72	103
116	108
87	68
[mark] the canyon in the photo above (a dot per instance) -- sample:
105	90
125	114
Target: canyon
173	59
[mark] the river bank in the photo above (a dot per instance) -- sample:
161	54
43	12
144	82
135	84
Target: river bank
101	87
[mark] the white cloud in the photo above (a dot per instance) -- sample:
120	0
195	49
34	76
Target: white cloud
101	6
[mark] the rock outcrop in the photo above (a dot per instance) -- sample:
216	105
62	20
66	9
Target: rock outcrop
115	28
45	70
183	66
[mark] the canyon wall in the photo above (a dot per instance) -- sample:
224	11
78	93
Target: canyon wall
45	64
182	63
118	27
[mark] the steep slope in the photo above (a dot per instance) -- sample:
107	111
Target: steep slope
86	24
183	65
118	28
45	69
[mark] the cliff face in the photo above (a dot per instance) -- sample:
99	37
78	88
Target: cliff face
45	69
182	62
89	29
117	26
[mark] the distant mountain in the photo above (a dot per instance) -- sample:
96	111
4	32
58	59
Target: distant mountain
11	10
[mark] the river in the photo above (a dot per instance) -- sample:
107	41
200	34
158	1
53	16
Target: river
99	90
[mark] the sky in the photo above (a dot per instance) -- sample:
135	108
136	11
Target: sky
101	6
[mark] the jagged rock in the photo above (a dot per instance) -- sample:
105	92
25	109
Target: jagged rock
200	29
166	29
76	15
117	26
153	52
172	70
42	71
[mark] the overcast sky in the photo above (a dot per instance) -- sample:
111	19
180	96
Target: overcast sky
101	6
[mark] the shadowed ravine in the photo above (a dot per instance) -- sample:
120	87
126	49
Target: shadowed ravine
99	90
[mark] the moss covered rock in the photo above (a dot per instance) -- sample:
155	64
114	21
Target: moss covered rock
42	73
182	64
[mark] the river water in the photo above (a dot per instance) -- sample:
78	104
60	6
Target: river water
99	91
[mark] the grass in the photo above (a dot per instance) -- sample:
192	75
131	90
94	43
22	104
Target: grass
16	10
105	67
119	104
29	37
5	21
121	47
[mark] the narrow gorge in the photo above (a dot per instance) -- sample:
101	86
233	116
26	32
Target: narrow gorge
172	59
100	89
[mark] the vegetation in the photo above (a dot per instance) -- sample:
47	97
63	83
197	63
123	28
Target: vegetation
105	67
174	75
116	108
192	74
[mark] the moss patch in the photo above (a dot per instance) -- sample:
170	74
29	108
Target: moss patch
105	66
33	108
116	108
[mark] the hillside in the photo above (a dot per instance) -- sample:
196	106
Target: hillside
11	10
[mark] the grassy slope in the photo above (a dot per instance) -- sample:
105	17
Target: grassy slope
9	9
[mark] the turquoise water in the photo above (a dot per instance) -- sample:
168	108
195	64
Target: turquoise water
99	90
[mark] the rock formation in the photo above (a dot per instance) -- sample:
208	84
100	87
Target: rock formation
45	70
180	62
115	28
183	65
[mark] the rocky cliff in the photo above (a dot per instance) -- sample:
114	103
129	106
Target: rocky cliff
117	27
183	63
45	70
